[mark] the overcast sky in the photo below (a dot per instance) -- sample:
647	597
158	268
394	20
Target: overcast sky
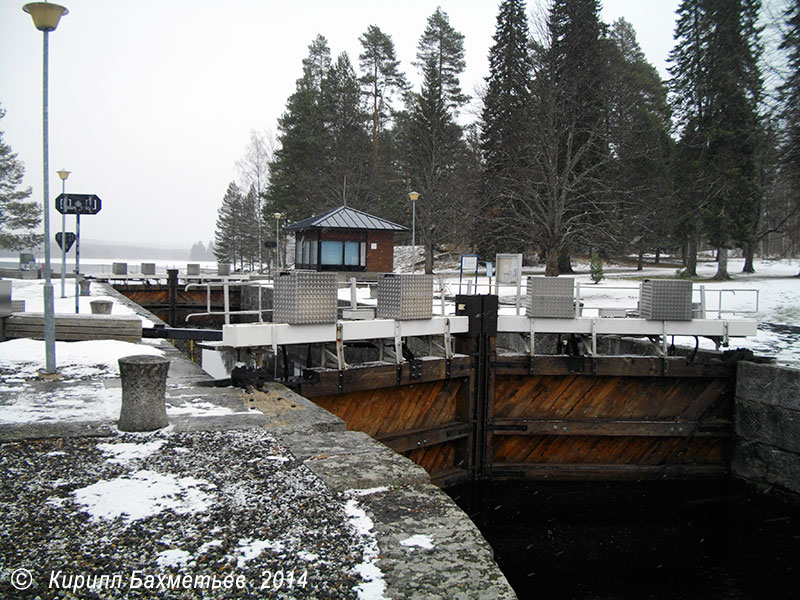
152	101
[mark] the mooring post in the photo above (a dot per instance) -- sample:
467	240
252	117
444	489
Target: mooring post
144	383
172	280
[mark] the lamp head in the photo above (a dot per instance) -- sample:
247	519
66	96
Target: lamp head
414	196
63	174
277	215
45	15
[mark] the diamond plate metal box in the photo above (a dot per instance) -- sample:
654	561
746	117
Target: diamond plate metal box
305	298
551	297
666	300
405	296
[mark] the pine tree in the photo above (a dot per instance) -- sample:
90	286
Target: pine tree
18	216
384	86
433	137
381	80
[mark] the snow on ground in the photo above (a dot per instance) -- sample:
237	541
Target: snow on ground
83	401
418	541
143	494
76	360
32	291
373	586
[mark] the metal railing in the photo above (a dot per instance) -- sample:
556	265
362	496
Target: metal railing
227	312
443	289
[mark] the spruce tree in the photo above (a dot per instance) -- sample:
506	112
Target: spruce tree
506	121
19	217
790	97
790	105
717	90
433	137
346	172
228	242
296	185
639	123
570	99
734	131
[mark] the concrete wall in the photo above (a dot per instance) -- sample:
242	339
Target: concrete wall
767	416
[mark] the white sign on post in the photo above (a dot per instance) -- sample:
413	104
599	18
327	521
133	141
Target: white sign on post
469	265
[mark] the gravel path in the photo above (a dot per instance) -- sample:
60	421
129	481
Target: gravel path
199	505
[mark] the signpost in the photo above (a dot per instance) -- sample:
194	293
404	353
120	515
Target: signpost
65	241
469	265
78	204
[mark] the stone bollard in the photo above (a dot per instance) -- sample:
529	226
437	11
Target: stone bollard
84	286
101	307
144	383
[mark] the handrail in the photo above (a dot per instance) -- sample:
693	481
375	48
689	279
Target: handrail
227	312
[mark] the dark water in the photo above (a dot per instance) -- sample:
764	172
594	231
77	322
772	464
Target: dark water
626	541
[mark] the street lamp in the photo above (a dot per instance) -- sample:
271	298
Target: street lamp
45	18
277	216
63	174
414	196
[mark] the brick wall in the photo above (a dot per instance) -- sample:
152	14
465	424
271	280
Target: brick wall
381	258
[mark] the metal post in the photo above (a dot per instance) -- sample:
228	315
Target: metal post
77	256
49	312
414	235
63	244
353	294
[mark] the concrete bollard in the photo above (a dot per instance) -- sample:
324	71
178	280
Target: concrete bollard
144	383
84	286
101	307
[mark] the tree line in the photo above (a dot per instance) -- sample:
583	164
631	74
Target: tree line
579	145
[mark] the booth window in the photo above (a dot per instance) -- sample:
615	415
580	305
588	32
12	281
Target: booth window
333	254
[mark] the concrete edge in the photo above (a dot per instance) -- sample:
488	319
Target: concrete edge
454	561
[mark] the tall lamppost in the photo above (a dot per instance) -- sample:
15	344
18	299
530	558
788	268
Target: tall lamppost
45	18
414	196
63	174
277	216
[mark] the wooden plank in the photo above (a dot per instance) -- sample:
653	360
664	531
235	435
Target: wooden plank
628	366
75	320
611	427
76	327
405	441
572	472
642	398
411	408
380	376
565	449
437	459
